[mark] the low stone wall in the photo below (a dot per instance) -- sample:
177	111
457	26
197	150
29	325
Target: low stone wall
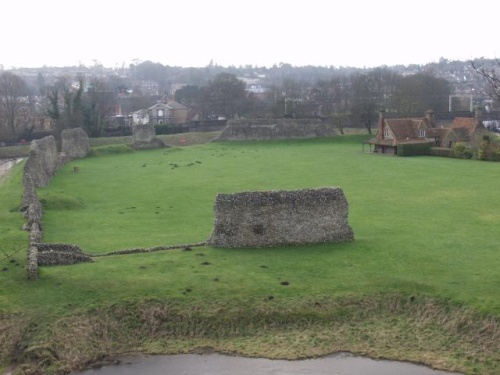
144	137
41	165
33	263
270	129
271	218
31	206
52	254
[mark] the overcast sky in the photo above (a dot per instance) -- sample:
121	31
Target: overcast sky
191	33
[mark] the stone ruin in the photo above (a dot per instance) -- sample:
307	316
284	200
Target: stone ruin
144	138
273	129
41	165
272	218
75	143
55	254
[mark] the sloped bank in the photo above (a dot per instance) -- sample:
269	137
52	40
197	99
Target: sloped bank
418	329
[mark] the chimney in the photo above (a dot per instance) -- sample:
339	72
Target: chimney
381	120
430	117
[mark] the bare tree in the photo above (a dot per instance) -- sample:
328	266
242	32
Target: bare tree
99	101
65	104
227	95
14	106
370	93
491	76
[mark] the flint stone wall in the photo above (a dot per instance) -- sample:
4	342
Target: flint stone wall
144	137
53	254
262	219
271	129
31	206
75	143
42	162
41	165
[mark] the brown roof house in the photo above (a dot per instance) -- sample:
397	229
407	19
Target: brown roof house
464	129
395	134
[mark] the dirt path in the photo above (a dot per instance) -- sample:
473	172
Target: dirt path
5	166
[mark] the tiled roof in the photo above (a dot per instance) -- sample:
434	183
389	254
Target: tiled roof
436	132
467	123
403	128
174	105
158	106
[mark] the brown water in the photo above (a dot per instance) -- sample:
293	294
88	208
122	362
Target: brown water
216	364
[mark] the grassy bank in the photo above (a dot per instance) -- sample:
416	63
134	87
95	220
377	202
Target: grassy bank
412	328
420	282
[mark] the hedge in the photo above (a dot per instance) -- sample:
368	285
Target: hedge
414	149
442	151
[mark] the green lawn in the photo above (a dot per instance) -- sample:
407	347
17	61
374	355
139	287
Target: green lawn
423	226
423	223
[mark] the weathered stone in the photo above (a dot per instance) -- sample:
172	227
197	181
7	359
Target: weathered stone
52	254
32	263
75	143
270	129
36	233
42	162
144	137
29	193
34	215
260	219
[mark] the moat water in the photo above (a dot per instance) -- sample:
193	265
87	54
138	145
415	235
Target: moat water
216	364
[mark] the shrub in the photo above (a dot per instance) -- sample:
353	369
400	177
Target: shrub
459	149
441	151
468	153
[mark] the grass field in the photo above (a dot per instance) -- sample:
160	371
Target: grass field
426	228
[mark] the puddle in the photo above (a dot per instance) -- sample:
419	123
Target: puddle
216	364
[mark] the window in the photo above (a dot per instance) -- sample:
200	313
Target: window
159	113
421	133
386	133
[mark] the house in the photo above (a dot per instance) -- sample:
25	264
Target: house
178	113
464	129
171	113
140	117
392	133
158	114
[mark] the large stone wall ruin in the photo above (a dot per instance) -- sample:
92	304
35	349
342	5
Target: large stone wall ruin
43	161
144	137
272	218
274	129
75	143
42	164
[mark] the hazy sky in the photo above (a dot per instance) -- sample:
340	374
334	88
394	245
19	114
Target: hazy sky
362	33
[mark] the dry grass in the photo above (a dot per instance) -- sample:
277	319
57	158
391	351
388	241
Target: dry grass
416	329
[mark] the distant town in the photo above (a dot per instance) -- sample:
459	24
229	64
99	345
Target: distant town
107	101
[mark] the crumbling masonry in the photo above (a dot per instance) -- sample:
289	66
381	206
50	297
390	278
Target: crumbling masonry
272	218
42	164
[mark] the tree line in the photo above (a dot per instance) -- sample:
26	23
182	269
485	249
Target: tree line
87	102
